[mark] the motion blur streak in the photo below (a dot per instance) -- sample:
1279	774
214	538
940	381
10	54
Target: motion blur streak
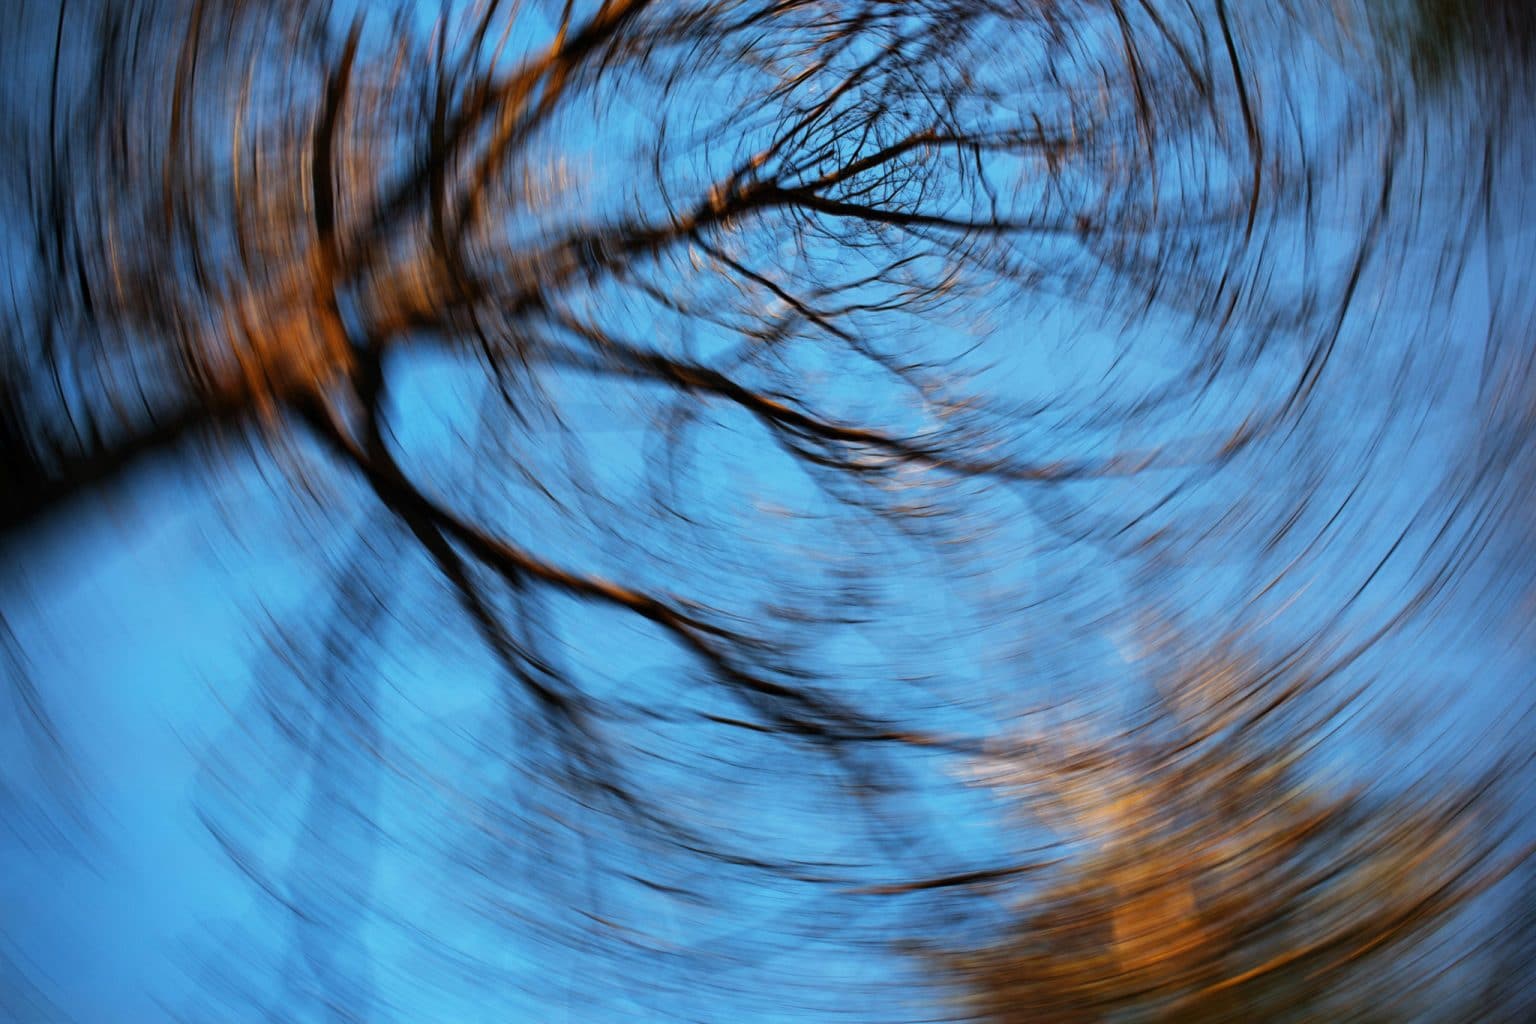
767	510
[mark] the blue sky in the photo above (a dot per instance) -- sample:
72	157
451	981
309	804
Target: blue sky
146	626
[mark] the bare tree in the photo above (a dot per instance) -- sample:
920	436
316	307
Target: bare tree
259	225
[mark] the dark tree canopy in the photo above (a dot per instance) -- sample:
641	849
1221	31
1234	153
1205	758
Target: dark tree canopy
802	348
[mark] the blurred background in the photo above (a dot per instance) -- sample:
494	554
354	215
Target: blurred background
767	510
